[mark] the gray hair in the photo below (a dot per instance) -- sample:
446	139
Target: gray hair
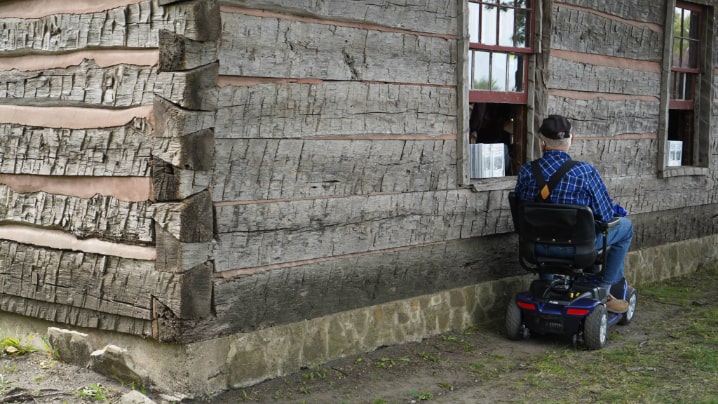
556	143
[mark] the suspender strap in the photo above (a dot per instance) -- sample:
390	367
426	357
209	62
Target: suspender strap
544	188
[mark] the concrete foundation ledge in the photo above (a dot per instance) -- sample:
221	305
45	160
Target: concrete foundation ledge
242	360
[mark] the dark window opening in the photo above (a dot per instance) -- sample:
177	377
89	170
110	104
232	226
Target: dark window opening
680	137
498	124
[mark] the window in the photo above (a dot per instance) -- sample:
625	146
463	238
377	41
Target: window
500	46
500	33
689	88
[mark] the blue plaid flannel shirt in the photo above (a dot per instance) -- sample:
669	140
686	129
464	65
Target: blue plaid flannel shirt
582	185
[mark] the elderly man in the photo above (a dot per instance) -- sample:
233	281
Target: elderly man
580	185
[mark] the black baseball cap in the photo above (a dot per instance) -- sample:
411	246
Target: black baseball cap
556	127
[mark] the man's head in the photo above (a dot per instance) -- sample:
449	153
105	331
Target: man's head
556	133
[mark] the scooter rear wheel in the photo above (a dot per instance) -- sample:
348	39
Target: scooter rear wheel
595	328
514	324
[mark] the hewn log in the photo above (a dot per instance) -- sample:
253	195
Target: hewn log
617	157
189	221
194	89
601	117
586	77
133	26
176	256
89	281
178	53
273	47
581	31
170	120
75	316
256	169
170	183
190	152
102	217
114	151
436	16
310	290
252	235
202	18
288	110
92	290
121	85
648	11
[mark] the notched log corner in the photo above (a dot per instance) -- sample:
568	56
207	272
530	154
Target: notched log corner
179	53
202	16
171	320
189	221
194	151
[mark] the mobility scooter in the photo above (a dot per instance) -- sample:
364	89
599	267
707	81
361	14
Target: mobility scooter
567	299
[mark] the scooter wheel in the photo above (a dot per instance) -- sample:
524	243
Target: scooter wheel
595	328
514	325
632	298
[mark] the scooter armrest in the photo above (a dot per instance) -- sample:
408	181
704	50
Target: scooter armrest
605	226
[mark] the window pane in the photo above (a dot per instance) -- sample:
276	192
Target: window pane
474	12
522	25
517	72
685	53
506	26
682	84
523	3
686	24
690	53
676	60
488	25
481	72
694	26
687	86
499	71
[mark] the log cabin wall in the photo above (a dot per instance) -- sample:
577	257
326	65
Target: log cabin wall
335	177
207	172
80	151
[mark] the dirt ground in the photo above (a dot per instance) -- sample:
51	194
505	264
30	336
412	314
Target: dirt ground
477	365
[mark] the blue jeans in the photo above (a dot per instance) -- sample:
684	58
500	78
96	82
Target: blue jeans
619	239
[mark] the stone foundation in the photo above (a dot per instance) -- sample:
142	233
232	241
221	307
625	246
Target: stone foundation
245	359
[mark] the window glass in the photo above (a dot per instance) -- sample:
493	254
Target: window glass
506	27
481	71
488	25
474	9
499	67
520	35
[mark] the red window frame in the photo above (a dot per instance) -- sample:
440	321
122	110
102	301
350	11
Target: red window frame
693	70
512	97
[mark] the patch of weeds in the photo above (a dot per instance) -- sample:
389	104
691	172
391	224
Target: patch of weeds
449	338
13	346
477	367
385	362
94	391
446	386
316	373
429	357
422	395
4	384
305	389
